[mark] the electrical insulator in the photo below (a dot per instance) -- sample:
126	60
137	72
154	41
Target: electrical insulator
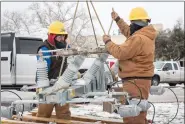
7	112
42	74
129	110
144	105
65	80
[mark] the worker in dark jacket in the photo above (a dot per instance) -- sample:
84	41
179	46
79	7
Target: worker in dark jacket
135	56
56	40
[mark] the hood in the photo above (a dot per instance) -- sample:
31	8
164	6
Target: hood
51	39
148	31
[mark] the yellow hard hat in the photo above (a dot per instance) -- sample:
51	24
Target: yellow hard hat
56	27
138	13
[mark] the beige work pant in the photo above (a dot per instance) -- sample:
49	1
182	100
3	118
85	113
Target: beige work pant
62	112
144	85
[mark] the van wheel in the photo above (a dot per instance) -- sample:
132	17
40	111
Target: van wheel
155	81
172	84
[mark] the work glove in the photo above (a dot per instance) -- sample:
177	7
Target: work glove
38	90
60	52
106	39
114	15
79	75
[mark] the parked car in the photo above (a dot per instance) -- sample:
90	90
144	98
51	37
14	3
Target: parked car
168	72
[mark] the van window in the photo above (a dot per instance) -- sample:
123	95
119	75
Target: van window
7	42
27	45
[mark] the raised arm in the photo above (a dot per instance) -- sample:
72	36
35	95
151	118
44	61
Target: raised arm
123	26
125	51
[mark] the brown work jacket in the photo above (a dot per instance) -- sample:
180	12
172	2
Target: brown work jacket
136	54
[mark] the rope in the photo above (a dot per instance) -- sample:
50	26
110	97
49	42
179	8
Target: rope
74	15
110	27
101	27
63	58
111	23
74	19
92	24
97	17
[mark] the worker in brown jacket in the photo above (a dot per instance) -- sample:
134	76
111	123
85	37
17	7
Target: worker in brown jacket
135	56
57	37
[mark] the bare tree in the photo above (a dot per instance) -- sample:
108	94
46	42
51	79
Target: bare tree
26	22
39	16
11	21
47	12
16	21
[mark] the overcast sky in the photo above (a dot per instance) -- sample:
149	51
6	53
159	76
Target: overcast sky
165	13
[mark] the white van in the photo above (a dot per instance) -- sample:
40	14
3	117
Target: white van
18	66
18	60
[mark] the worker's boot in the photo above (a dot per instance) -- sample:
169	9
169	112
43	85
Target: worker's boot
63	112
44	110
140	119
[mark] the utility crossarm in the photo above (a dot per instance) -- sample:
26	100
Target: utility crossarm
72	52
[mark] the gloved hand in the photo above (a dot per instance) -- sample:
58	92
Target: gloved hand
106	38
59	53
114	15
79	75
38	90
